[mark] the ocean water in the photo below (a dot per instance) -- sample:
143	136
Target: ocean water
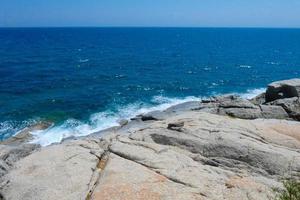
85	79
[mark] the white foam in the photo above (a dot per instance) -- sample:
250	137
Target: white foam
103	120
245	66
252	93
9	128
84	60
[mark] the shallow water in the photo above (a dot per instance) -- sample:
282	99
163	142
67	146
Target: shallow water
84	79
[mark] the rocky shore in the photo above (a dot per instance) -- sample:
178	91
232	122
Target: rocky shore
225	147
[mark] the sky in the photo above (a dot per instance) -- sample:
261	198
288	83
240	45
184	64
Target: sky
148	13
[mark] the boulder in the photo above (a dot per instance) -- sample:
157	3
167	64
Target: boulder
283	89
290	105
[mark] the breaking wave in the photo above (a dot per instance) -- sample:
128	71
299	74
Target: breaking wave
107	119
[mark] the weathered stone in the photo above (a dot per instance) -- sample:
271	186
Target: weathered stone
25	134
213	157
121	181
243	113
10	154
187	106
283	89
64	171
259	99
123	122
176	126
290	105
182	153
234	102
273	112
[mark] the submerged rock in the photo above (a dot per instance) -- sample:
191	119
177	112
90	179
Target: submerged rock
25	135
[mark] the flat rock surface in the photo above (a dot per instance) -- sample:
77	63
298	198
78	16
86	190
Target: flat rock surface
208	157
62	171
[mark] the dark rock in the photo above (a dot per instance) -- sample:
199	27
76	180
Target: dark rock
3	168
148	118
283	89
176	126
210	100
151	116
155	115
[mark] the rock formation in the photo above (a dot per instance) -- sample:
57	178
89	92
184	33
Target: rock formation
224	147
283	89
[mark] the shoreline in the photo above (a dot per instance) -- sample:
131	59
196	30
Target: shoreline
222	147
35	133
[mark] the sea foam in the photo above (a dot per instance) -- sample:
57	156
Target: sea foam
252	93
107	119
103	120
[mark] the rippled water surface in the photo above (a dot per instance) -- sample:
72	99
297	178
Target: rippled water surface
84	79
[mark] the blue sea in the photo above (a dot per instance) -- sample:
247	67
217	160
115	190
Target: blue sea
86	79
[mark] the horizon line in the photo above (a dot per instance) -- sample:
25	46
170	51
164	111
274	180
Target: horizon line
216	27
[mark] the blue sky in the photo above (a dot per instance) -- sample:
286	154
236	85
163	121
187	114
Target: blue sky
191	13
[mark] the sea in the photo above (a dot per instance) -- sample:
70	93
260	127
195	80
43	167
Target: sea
84	80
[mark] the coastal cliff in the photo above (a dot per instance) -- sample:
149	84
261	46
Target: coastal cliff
224	147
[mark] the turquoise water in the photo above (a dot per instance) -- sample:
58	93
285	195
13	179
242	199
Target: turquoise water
84	79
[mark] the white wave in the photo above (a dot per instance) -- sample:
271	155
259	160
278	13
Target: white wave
252	93
273	63
245	66
84	60
103	120
11	128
